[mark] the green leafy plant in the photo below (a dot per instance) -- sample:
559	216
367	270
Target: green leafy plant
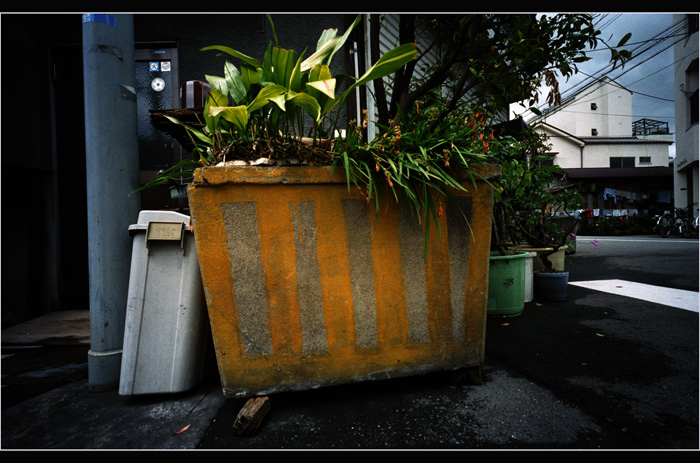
262	108
527	199
417	162
489	60
484	62
431	129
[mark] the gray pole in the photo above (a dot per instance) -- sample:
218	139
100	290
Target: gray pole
112	162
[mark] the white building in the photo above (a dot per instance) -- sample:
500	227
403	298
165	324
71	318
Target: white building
622	164
685	175
594	128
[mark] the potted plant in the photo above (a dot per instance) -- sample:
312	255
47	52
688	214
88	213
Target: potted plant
529	207
369	259
342	259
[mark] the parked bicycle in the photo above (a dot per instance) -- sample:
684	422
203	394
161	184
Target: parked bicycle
681	222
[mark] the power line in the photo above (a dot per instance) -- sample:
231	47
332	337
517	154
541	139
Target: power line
621	115
679	27
604	70
610	21
656	39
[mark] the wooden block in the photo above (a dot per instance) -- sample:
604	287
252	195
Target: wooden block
251	415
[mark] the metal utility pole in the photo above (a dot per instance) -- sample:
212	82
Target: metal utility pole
111	137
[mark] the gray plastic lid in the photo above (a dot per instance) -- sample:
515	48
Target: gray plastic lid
145	217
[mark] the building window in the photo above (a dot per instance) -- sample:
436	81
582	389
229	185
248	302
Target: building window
691	79
621	161
645	159
594	106
692	23
594	132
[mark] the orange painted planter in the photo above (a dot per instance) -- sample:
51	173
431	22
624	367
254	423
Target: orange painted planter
306	286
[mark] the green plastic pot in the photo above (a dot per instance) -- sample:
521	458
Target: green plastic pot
506	283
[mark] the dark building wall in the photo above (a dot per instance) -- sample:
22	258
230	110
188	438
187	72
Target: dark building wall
248	33
30	238
44	255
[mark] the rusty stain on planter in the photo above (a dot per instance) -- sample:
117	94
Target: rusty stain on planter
307	286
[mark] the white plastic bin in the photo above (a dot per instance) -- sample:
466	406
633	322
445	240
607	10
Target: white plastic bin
167	328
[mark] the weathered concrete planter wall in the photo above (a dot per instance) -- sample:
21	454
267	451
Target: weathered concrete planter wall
306	287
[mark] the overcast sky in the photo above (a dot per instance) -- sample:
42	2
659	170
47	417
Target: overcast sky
649	74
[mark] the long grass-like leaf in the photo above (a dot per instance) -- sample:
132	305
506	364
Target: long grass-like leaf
178	172
386	65
197	133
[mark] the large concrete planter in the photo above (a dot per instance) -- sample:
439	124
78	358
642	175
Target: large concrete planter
306	286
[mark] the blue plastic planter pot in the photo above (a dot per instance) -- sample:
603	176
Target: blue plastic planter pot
551	286
507	283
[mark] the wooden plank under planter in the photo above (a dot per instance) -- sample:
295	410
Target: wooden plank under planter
306	286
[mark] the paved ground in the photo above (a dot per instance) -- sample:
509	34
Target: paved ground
597	371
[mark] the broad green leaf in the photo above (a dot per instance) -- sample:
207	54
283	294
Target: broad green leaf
320	72
328	45
283	63
218	83
322	85
320	55
267	94
344	38
250	75
296	78
234	83
266	69
245	58
280	100
326	35
306	101
390	62
237	115
327	87
218	98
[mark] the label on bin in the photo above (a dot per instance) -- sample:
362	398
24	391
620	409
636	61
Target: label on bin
165	231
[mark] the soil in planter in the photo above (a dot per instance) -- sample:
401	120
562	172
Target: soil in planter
279	153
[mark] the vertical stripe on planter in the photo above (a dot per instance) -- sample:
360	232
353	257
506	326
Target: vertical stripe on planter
243	241
412	242
458	245
313	328
359	242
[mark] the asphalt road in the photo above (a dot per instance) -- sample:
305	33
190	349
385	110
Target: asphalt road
668	262
597	371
